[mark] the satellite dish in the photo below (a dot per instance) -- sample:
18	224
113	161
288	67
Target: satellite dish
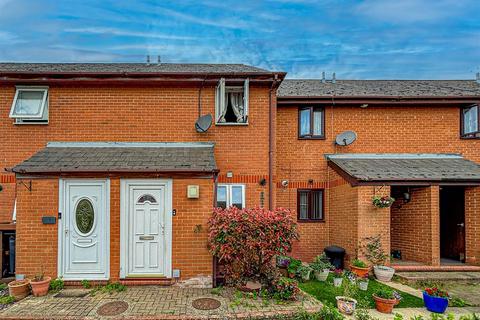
203	123
346	138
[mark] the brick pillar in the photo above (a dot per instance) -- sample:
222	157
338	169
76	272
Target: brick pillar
373	221
433	198
472	225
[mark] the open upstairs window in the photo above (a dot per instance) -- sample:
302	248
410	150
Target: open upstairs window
311	122
470	122
30	105
231	103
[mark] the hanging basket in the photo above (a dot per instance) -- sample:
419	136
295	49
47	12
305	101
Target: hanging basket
383	202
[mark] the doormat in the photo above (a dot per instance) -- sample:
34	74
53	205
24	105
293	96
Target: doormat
112	308
72	293
206	304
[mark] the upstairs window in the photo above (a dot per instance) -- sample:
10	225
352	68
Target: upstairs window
30	105
310	205
231	103
229	195
470	122
311	123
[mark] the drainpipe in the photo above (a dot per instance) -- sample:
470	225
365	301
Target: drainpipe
270	144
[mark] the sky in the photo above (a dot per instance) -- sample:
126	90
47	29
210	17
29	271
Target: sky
369	39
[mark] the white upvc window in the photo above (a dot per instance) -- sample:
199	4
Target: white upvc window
30	105
231	103
231	195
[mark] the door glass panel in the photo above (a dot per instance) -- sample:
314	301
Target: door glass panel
84	216
147	198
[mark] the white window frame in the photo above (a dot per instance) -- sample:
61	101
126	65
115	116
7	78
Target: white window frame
220	91
229	193
43	114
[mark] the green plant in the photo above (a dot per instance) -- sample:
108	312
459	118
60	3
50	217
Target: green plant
472	316
363	314
329	312
293	266
304	271
397	316
321	263
86	284
284	289
359	263
373	250
56	285
217	291
3	286
385	293
350	289
7	300
382	202
110	288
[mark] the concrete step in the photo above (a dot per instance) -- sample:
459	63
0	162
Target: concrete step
465	276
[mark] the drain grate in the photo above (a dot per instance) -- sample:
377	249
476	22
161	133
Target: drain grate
206	304
112	308
72	293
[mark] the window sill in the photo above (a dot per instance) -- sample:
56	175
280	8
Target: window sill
312	138
310	221
474	136
30	123
232	124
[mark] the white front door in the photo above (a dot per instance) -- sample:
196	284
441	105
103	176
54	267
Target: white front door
84	229
146	228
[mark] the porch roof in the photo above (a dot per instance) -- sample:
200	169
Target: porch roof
403	169
120	157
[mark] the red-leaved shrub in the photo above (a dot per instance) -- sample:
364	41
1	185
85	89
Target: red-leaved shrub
246	240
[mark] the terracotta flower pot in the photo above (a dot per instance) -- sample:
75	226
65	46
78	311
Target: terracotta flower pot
384	305
19	289
40	288
346	305
360	272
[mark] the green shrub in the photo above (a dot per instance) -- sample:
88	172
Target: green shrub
329	312
385	294
7	300
293	266
86	284
321	263
3	286
56	285
284	289
110	288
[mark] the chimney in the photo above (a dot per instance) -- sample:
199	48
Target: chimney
333	78
148	59
323	77
478	77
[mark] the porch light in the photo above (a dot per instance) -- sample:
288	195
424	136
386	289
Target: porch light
406	196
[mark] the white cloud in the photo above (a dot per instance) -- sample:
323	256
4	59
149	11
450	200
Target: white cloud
126	33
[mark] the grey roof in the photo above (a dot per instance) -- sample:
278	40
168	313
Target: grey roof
73	157
379	88
11	67
436	168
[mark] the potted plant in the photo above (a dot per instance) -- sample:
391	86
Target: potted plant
293	267
375	254
40	285
337	277
304	271
363	282
346	304
435	299
19	289
360	268
383	202
321	267
385	300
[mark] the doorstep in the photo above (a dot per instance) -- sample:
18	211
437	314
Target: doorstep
127	281
446	268
457	276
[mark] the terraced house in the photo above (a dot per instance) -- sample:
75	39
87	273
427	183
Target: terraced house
112	170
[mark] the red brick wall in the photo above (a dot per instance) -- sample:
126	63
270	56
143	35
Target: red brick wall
388	128
37	248
472	225
140	114
415	228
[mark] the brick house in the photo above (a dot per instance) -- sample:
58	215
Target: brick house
108	178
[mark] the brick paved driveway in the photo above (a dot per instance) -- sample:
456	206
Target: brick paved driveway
152	302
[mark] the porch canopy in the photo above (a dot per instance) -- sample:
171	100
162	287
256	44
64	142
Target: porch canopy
120	157
405	169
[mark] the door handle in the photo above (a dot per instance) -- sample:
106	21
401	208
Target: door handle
461	224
